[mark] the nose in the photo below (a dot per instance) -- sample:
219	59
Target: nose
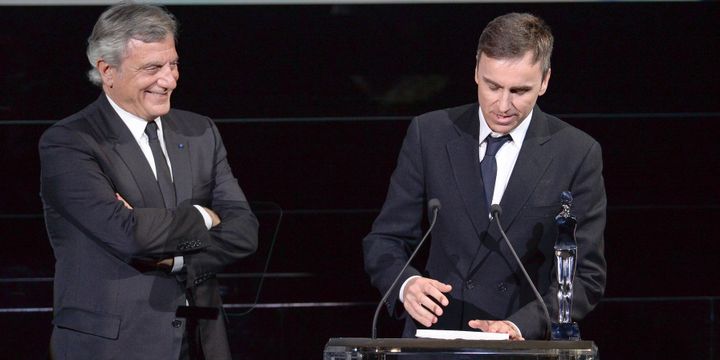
505	102
169	76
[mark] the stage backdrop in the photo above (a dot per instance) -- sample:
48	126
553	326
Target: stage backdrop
313	102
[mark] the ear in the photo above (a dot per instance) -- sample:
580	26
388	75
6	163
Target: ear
107	72
545	82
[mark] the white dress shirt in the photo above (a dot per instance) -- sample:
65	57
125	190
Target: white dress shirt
506	156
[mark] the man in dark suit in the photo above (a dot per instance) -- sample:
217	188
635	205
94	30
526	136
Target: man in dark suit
471	280
141	206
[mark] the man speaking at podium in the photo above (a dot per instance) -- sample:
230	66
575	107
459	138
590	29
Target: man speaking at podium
141	206
502	150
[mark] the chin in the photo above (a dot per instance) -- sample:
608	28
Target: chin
503	128
159	110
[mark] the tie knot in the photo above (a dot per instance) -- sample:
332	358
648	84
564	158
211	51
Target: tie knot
151	131
494	144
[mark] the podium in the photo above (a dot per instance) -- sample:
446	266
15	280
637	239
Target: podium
433	349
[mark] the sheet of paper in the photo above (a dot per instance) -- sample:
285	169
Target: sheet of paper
457	334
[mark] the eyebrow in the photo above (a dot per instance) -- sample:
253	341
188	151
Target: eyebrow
512	89
151	64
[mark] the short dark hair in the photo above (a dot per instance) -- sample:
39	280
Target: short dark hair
510	36
121	23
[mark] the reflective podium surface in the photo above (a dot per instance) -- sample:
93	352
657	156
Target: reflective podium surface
433	349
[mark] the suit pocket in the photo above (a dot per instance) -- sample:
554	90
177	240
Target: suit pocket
103	325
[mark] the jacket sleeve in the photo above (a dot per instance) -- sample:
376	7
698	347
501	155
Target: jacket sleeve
397	229
237	235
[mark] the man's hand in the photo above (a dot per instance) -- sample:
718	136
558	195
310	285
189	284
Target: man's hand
421	298
496	326
214	216
120	198
166	264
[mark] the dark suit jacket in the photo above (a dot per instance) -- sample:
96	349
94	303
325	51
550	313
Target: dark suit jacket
104	307
439	159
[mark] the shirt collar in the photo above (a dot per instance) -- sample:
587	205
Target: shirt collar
134	123
517	134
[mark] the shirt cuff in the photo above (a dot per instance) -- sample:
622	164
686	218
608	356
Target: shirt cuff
402	288
178	263
205	215
517	329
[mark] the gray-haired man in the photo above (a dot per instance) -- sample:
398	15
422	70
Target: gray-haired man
141	206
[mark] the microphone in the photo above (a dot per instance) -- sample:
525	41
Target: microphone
496	211
434	206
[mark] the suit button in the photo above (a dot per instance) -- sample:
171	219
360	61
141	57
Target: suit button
469	284
176	323
502	287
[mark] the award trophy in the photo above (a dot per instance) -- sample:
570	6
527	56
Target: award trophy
565	257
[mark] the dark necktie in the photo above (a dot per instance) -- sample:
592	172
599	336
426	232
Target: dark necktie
161	166
488	165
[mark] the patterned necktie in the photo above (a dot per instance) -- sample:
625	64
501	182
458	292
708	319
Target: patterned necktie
161	166
488	166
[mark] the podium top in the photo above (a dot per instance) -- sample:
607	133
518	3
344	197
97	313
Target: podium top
575	349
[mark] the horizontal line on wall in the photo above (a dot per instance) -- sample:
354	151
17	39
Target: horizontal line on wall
660	299
314	119
26	310
669	115
283	275
231	306
267	275
371	211
300	305
25	280
330	304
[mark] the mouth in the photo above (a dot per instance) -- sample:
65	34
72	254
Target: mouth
158	92
504	117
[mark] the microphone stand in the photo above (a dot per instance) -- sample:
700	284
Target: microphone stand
496	210
434	205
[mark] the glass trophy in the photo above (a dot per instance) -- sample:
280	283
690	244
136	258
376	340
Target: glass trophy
565	257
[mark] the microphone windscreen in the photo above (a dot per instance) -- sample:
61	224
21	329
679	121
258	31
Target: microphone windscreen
495	210
433	204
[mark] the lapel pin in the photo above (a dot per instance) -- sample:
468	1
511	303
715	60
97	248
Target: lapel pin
181	146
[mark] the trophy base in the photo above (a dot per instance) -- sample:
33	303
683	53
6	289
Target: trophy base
569	331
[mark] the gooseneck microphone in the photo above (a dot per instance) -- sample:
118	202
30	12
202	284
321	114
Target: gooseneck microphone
496	211
434	206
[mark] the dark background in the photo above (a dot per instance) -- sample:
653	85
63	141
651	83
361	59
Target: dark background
313	103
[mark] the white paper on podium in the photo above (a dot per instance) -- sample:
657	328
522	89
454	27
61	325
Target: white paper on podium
457	334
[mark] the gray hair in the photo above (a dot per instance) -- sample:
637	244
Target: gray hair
510	36
121	23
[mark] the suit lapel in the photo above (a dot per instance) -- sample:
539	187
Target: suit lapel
129	152
177	149
463	153
531	164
